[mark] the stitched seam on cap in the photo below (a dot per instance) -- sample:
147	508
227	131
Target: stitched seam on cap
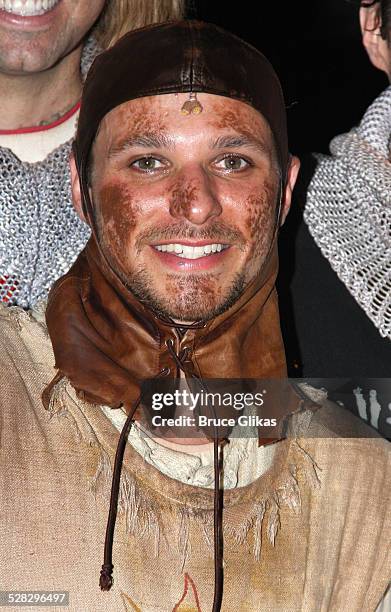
200	59
186	68
191	32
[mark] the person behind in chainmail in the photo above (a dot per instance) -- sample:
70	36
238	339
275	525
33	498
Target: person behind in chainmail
46	49
342	279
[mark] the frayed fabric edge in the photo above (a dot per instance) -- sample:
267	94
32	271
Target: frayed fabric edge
142	514
144	520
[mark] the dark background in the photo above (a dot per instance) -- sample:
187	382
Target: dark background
316	49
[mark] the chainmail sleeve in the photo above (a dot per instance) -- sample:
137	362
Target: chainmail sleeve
40	233
348	211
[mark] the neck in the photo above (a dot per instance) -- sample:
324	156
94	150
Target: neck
42	97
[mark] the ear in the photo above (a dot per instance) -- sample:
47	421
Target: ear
293	171
376	47
75	187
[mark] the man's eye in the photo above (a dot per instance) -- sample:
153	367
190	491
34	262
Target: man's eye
232	162
147	164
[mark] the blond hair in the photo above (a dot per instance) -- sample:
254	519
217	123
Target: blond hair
121	16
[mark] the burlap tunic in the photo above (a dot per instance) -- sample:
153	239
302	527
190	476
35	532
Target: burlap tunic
312	534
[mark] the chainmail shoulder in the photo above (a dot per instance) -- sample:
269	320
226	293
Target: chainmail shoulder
348	211
40	233
90	51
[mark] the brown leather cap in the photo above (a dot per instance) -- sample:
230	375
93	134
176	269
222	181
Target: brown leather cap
179	56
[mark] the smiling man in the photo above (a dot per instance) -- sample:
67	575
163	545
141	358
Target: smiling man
186	206
182	171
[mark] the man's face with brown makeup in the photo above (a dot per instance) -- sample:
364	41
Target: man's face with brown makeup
185	205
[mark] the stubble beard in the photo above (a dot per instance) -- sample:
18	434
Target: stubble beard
183	297
188	299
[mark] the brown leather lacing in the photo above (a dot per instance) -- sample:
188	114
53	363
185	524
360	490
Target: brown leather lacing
106	573
179	359
218	455
165	320
218	489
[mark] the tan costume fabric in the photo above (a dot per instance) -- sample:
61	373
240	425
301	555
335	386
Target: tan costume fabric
324	504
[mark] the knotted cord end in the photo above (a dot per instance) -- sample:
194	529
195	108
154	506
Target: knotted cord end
106	577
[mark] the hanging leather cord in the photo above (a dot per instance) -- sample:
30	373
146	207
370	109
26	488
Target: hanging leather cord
106	573
218	456
218	459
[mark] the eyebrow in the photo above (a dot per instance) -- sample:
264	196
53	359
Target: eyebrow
146	141
228	142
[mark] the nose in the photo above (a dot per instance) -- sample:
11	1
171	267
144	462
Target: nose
193	197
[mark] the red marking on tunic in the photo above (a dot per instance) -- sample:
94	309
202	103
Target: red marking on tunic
188	581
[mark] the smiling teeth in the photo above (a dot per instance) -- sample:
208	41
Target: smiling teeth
189	252
27	8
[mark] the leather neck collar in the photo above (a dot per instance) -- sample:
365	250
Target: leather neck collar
106	342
